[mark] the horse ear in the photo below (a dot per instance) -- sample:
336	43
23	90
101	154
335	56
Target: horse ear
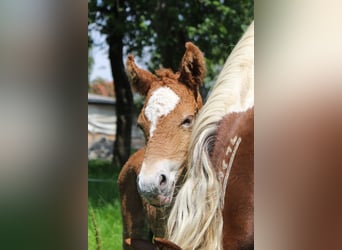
140	79
193	69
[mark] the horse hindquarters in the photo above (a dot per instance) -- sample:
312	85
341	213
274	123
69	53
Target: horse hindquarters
236	131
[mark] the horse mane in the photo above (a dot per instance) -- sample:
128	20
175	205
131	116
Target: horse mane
166	76
195	221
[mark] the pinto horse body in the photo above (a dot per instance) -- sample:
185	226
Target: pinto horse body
214	207
196	178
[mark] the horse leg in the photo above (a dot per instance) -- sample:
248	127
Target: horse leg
135	225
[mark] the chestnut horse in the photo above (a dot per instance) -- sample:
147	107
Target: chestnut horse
171	105
213	209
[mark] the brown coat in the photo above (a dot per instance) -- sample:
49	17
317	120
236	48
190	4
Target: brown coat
140	220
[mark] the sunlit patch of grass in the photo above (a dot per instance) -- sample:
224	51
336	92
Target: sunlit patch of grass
103	207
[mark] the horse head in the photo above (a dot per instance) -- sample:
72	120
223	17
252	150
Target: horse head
171	104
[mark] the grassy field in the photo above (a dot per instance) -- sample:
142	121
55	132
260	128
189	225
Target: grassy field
103	206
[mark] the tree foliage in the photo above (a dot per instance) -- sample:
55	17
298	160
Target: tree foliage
159	28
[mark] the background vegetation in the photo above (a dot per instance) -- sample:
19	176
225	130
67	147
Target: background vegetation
104	216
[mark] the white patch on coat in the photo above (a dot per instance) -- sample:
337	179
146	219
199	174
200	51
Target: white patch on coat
235	142
161	103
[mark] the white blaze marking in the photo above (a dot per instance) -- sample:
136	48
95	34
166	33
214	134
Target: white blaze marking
161	103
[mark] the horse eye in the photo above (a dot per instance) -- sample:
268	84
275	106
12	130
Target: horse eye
187	122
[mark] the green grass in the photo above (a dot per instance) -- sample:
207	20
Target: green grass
103	202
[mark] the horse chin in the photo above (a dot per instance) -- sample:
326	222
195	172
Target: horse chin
164	200
161	200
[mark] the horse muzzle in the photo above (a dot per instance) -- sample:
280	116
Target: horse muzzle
157	191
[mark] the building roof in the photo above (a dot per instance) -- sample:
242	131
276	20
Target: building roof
99	99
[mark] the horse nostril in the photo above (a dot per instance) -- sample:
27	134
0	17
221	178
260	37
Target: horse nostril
162	180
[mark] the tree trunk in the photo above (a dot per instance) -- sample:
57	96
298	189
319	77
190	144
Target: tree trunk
124	102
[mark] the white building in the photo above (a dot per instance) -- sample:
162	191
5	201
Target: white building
101	118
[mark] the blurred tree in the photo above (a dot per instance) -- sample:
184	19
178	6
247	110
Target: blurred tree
90	58
158	30
109	17
214	26
90	63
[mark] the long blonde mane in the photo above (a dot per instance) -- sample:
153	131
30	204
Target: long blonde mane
195	221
